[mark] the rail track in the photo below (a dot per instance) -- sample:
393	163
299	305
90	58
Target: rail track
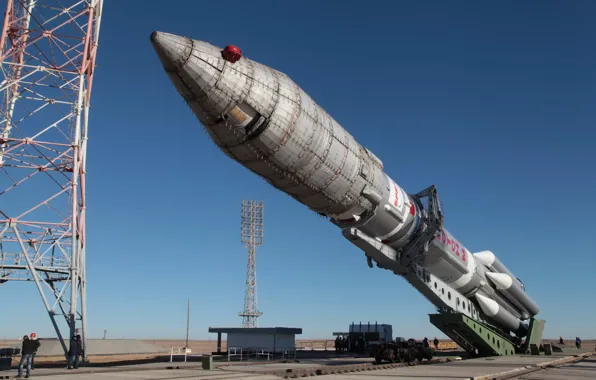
315	370
554	370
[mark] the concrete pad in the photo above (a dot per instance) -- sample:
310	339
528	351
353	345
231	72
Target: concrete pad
165	374
461	369
41	371
484	368
584	369
141	371
303	364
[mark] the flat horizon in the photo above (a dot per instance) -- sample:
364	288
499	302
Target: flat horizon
223	340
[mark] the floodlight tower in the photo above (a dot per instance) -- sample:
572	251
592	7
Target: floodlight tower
251	237
47	60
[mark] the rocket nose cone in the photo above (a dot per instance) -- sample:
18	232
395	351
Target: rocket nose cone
196	69
501	280
489	307
173	51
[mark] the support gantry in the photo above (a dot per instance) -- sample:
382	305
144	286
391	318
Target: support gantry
47	62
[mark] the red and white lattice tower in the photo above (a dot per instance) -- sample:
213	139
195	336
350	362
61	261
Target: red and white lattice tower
251	237
47	59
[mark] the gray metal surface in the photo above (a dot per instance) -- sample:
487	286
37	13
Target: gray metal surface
260	118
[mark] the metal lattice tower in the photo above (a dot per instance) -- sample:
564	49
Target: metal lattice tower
251	237
47	60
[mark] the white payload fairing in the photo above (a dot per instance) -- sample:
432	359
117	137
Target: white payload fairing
260	118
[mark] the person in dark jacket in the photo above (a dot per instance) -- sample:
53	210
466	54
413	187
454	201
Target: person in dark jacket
33	337
29	347
74	352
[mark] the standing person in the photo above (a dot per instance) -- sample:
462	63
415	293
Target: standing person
436	342
74	352
33	337
578	342
29	346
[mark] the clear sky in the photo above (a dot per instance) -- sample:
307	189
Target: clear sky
493	102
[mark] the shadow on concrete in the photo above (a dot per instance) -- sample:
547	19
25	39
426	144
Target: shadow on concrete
422	376
113	363
446	354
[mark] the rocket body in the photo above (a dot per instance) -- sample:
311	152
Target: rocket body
263	120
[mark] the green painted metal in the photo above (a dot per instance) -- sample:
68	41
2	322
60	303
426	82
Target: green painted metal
535	331
472	335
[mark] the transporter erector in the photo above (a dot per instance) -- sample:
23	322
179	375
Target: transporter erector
263	120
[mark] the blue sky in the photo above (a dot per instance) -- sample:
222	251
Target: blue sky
493	102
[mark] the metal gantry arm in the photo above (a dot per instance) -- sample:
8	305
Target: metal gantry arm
441	295
44	117
431	223
402	262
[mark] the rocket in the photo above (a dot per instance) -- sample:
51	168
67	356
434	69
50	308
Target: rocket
263	120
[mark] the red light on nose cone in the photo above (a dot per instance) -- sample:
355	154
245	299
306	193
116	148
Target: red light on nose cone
231	53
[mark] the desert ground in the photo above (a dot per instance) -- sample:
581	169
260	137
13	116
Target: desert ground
197	347
208	346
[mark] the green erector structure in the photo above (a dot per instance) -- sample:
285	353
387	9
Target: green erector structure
480	339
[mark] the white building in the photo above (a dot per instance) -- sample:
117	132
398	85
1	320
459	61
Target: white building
267	339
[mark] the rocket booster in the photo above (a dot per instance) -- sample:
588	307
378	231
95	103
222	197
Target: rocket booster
263	120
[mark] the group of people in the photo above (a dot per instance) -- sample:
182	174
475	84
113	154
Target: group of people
31	345
578	342
435	343
344	344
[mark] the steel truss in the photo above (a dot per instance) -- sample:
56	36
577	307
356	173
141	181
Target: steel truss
47	60
251	237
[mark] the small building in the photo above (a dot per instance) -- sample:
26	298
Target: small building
267	339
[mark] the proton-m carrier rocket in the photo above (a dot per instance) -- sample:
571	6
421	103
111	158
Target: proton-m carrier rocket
263	120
